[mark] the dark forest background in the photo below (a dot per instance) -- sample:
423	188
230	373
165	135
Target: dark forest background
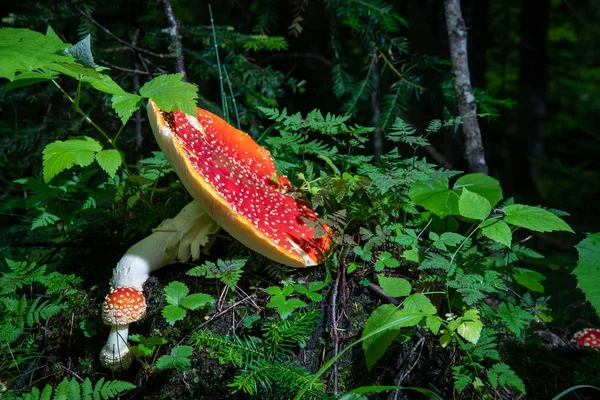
535	70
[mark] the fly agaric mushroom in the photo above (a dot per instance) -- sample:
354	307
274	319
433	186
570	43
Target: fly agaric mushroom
236	182
235	186
589	337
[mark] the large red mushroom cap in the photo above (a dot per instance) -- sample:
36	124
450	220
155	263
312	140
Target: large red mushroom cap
236	182
123	306
589	337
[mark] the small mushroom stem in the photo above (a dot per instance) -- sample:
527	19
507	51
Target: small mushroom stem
116	354
176	239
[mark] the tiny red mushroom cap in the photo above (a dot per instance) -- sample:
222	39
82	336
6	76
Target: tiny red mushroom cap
589	337
237	184
123	306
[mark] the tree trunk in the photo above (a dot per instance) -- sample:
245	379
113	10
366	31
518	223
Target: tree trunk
467	107
532	84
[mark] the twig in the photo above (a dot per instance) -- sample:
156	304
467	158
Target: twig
379	292
80	379
175	37
133	71
398	73
401	375
131	46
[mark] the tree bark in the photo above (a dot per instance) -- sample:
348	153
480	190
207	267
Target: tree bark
176	38
467	107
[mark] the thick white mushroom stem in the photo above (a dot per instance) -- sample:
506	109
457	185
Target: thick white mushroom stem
175	240
115	354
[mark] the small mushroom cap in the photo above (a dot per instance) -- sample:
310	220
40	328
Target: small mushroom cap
589	337
236	182
123	306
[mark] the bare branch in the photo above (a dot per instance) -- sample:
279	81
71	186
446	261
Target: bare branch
131	46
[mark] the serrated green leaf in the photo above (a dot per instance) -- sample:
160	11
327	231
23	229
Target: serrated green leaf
175	292
497	230
82	51
110	161
471	205
433	323
419	302
173	313
197	300
171	94
59	155
23	50
182	351
125	104
395	287
588	269
501	375
534	218
164	362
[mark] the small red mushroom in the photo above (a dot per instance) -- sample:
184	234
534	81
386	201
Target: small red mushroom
122	306
589	337
235	186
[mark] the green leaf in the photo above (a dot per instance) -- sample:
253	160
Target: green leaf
534	218
198	300
23	50
30	78
530	279
125	104
376	345
395	287
433	323
435	197
419	302
173	313
497	230
59	155
501	375
588	269
109	161
483	185
470	330
82	51
471	205
171	94
175	292
182	351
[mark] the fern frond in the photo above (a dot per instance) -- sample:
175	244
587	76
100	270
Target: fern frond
291	331
233	349
71	389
